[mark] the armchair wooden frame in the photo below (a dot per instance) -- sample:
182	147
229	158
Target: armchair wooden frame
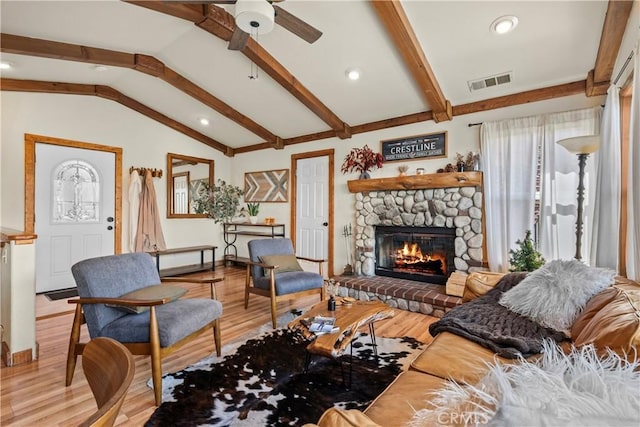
151	348
271	292
109	368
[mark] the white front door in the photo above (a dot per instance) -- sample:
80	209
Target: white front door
312	207
74	211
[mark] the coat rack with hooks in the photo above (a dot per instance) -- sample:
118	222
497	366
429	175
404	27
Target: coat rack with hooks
156	173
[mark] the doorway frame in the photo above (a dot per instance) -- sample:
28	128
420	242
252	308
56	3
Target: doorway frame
30	141
330	153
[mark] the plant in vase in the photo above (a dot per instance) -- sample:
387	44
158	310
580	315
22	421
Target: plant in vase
221	202
362	160
253	209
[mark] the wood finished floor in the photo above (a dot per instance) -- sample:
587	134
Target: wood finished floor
34	394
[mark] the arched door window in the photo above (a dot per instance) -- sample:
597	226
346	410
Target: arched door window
76	192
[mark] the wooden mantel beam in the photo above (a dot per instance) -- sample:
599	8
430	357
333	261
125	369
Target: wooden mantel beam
399	29
221	24
15	85
146	64
615	23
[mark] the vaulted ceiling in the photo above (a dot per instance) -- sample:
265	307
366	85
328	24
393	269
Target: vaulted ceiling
170	61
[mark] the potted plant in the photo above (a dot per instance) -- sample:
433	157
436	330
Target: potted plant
362	160
220	202
253	209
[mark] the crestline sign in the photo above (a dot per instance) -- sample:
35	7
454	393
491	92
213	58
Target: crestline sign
433	145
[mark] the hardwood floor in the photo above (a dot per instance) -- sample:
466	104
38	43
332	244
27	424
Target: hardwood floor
34	394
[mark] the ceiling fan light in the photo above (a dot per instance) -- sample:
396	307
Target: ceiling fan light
254	16
5	65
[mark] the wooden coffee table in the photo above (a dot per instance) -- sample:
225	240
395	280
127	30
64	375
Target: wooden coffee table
348	318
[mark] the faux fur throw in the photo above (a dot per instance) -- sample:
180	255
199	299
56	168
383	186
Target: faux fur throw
495	327
578	389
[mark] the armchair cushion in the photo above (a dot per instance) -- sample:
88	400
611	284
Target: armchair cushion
154	292
290	282
285	263
175	321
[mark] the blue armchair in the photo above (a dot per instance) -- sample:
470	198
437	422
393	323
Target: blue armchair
154	323
268	279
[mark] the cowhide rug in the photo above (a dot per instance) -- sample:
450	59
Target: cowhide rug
262	382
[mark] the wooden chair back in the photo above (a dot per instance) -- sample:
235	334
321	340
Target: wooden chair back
109	368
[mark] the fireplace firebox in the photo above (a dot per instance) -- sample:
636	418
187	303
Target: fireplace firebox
424	254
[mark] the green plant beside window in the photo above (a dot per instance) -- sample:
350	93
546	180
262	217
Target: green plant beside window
253	208
526	258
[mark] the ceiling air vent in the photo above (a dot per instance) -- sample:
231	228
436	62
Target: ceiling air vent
495	80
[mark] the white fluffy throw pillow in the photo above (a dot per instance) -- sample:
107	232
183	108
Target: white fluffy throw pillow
556	293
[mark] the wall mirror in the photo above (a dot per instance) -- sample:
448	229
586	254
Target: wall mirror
186	178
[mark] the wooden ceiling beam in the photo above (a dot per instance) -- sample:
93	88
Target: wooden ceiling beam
146	64
399	29
615	23
220	23
112	94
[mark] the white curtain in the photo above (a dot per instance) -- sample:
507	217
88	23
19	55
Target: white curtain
633	190
606	215
509	156
560	182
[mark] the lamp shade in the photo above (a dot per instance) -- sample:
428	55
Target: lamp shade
255	16
581	144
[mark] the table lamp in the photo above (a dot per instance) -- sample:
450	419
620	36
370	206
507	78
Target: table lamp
582	146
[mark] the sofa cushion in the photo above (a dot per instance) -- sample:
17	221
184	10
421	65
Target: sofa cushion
450	356
554	294
611	320
334	417
150	293
397	404
479	283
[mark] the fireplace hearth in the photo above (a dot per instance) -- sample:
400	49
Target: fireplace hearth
424	254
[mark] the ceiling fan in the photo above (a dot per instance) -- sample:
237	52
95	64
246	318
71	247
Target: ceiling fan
259	16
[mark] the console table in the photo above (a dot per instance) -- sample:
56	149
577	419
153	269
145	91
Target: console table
233	230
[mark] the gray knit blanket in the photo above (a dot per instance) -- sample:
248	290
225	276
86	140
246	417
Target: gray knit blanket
495	327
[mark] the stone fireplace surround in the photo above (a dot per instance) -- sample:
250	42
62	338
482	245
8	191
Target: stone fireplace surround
451	200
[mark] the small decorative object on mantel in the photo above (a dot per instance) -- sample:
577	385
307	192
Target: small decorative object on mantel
362	160
420	171
403	170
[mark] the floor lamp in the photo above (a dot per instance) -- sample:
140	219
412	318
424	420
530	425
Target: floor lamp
582	146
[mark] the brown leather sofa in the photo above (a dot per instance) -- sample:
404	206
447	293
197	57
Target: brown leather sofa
610	319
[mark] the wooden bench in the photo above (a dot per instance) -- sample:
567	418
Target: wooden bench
174	271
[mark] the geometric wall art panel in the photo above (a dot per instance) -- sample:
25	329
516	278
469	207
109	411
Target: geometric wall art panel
266	186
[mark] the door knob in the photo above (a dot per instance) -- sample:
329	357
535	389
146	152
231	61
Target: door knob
110	219
110	228
325	223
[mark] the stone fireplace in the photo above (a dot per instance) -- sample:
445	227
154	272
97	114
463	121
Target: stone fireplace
436	205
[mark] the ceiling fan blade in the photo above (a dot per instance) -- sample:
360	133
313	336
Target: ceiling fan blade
296	25
238	39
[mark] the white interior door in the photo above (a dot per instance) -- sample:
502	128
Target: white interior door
312	207
74	211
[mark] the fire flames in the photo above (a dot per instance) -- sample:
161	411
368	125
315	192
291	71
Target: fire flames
411	256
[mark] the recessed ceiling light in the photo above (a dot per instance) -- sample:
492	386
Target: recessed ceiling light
204	121
353	73
504	24
100	68
5	65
